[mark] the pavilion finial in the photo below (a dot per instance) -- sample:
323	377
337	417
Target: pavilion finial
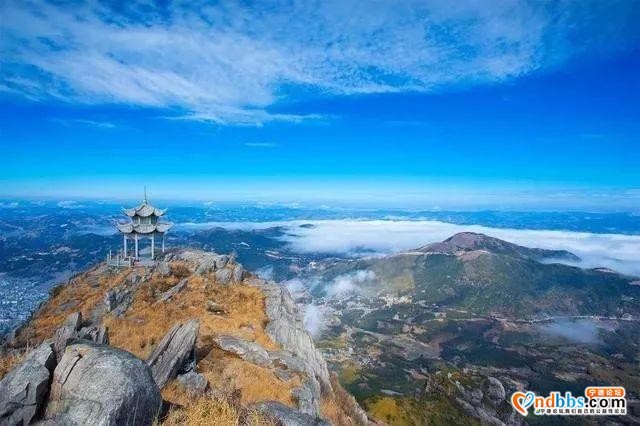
145	195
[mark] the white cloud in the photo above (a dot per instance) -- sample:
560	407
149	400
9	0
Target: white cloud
348	283
230	62
355	237
314	318
69	204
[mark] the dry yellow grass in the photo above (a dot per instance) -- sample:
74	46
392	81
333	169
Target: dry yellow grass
147	321
228	373
208	411
66	299
10	360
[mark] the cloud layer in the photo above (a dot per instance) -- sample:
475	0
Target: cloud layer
230	62
616	251
369	237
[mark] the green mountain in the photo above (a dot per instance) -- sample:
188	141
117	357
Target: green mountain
489	276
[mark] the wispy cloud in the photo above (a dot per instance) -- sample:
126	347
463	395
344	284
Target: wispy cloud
260	144
84	122
230	62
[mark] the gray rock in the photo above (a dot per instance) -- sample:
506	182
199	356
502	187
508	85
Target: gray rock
163	269
74	321
71	332
175	350
221	261
283	375
287	416
136	276
238	273
249	351
494	391
118	300
214	308
23	389
167	295
223	276
200	262
66	333
308	397
98	335
286	328
475	396
101	385
194	383
288	361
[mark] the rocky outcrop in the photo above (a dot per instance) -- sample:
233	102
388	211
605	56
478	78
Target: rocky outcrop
167	295
224	267
163	269
118	300
494	391
101	385
249	351
481	397
286	328
287	416
299	354
72	330
175	352
23	390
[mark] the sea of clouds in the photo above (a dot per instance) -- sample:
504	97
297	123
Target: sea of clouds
370	237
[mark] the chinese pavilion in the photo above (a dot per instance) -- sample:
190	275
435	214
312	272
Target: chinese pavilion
144	222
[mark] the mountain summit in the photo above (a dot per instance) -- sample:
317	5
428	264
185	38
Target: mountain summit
194	329
469	241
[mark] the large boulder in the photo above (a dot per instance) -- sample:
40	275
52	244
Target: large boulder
287	416
201	262
23	389
101	385
174	352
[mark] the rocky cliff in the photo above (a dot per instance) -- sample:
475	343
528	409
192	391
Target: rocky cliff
192	335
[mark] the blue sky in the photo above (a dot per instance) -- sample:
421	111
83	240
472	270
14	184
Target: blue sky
532	105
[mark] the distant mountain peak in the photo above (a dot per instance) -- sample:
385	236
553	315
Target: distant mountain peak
470	241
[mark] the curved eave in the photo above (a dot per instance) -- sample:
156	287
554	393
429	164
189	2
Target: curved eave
125	227
143	228
129	212
144	210
163	227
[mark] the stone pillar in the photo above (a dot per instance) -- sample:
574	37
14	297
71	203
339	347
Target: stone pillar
136	239
125	245
163	242
153	244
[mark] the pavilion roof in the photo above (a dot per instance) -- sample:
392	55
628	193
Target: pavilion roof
144	210
143	228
